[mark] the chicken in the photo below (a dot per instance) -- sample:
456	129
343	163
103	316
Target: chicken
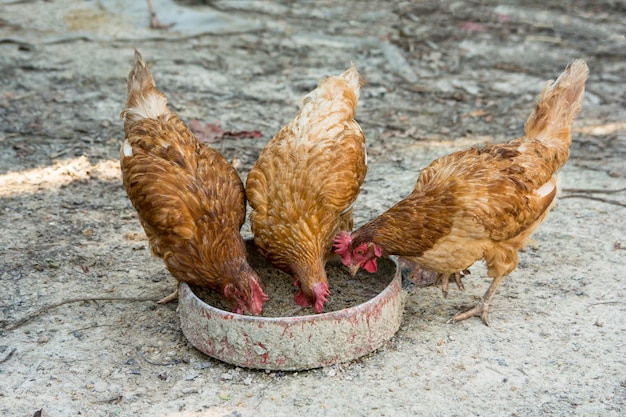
190	200
479	203
304	183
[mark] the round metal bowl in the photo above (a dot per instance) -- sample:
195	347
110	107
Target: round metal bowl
294	343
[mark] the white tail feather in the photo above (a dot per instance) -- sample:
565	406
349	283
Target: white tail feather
145	101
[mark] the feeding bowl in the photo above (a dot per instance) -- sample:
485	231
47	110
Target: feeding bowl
295	342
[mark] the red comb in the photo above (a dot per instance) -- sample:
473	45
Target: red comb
342	243
258	298
321	293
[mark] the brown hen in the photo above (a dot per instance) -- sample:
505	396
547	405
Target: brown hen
304	183
479	203
190	200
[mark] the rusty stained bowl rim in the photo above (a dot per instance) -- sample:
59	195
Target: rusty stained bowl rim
293	343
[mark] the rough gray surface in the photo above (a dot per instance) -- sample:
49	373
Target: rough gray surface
440	76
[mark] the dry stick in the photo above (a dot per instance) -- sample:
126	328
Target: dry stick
606	302
591	197
592	190
143	356
114	398
42	310
7	352
91	327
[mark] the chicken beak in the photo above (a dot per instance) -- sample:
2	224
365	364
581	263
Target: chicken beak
354	269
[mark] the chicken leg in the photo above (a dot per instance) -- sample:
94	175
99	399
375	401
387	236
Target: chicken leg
482	308
445	278
173	296
420	277
423	277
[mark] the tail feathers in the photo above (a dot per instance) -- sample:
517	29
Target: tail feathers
351	75
558	105
344	88
144	99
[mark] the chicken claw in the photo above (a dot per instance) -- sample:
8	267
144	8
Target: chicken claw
444	278
420	276
479	310
173	296
482	308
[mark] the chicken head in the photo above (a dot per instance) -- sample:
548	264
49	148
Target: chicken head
364	255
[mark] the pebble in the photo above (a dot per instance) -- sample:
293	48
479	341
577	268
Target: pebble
302	402
189	390
226	376
201	365
191	376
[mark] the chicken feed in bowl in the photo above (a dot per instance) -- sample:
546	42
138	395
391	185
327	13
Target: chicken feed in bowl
345	290
363	312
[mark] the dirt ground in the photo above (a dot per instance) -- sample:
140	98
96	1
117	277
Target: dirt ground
440	76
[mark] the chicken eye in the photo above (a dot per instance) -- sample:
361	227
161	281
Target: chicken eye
359	252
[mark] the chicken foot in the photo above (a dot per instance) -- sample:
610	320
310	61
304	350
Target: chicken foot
423	277
420	276
482	308
173	296
445	278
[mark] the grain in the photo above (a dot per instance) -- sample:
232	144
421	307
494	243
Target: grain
345	291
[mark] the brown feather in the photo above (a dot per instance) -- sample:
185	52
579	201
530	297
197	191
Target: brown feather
484	203
305	180
190	200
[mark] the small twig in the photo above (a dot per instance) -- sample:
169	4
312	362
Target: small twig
61	153
590	197
606	302
176	362
91	327
495	370
42	310
114	398
29	377
261	395
7	352
592	190
8	136
22	97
